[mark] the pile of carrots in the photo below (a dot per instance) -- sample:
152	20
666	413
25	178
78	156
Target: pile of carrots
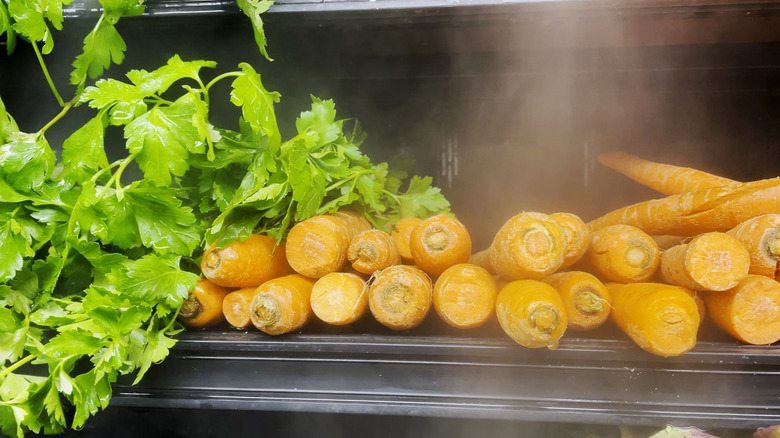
654	269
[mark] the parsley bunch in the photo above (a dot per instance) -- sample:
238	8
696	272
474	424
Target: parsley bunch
93	267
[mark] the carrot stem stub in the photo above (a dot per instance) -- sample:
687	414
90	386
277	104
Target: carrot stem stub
761	237
282	305
660	318
439	242
247	263
585	297
203	306
532	313
623	253
372	250
400	297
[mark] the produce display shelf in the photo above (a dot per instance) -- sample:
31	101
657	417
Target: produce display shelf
596	381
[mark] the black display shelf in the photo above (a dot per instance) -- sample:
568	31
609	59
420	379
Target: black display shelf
596	381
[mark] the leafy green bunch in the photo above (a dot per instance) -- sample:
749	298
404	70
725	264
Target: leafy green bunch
95	265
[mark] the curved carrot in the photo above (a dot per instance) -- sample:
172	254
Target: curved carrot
464	295
355	223
664	178
439	242
243	264
372	250
659	318
623	253
711	261
401	233
750	311
339	298
577	237
688	214
532	313
530	245
203	306
400	297
586	299
236	307
282	305
761	237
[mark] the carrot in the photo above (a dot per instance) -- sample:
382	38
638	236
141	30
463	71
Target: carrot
400	297
623	253
667	241
530	245
236	307
203	306
688	214
750	311
577	237
664	178
464	295
372	250
761	237
660	318
243	264
700	305
532	313
585	298
401	233
356	223
339	298
710	261
318	245
282	304
439	242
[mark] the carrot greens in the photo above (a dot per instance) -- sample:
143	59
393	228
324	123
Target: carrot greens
98	255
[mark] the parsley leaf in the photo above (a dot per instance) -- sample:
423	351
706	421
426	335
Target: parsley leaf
101	47
154	278
254	9
10	39
83	153
27	161
257	104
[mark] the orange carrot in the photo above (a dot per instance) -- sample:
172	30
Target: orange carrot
282	305
532	313
664	178
700	305
688	214
439	242
529	245
236	307
356	223
243	264
761	237
203	306
710	261
623	253
400	297
660	318
585	298
750	311
318	245
339	298
372	250
401	233
667	241
464	295
577	237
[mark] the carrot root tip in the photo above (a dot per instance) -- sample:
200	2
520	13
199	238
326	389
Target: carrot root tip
266	311
537	241
773	246
366	253
638	256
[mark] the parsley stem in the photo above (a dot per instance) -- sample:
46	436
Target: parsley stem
18	364
46	73
223	76
56	118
